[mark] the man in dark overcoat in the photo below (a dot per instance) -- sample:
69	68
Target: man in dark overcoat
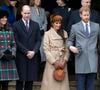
28	40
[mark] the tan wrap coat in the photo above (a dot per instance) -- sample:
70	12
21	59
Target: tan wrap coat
53	46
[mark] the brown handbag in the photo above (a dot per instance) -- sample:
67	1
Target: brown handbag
59	74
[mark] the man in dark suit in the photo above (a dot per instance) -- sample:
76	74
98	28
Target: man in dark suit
28	41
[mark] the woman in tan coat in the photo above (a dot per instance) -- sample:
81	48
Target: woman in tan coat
55	49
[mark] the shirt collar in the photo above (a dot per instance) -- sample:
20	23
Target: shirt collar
25	21
86	23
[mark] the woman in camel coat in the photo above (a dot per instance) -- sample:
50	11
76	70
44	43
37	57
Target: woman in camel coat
54	45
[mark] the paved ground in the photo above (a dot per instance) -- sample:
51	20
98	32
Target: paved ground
36	85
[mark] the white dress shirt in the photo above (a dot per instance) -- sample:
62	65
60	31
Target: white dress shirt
84	24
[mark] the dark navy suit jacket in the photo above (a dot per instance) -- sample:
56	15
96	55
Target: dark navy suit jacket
27	41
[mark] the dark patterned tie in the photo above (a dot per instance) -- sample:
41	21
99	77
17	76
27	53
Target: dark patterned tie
87	30
27	27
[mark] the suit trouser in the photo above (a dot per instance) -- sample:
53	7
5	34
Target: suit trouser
27	85
86	81
4	85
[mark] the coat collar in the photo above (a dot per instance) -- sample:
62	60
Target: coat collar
80	24
24	29
57	36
